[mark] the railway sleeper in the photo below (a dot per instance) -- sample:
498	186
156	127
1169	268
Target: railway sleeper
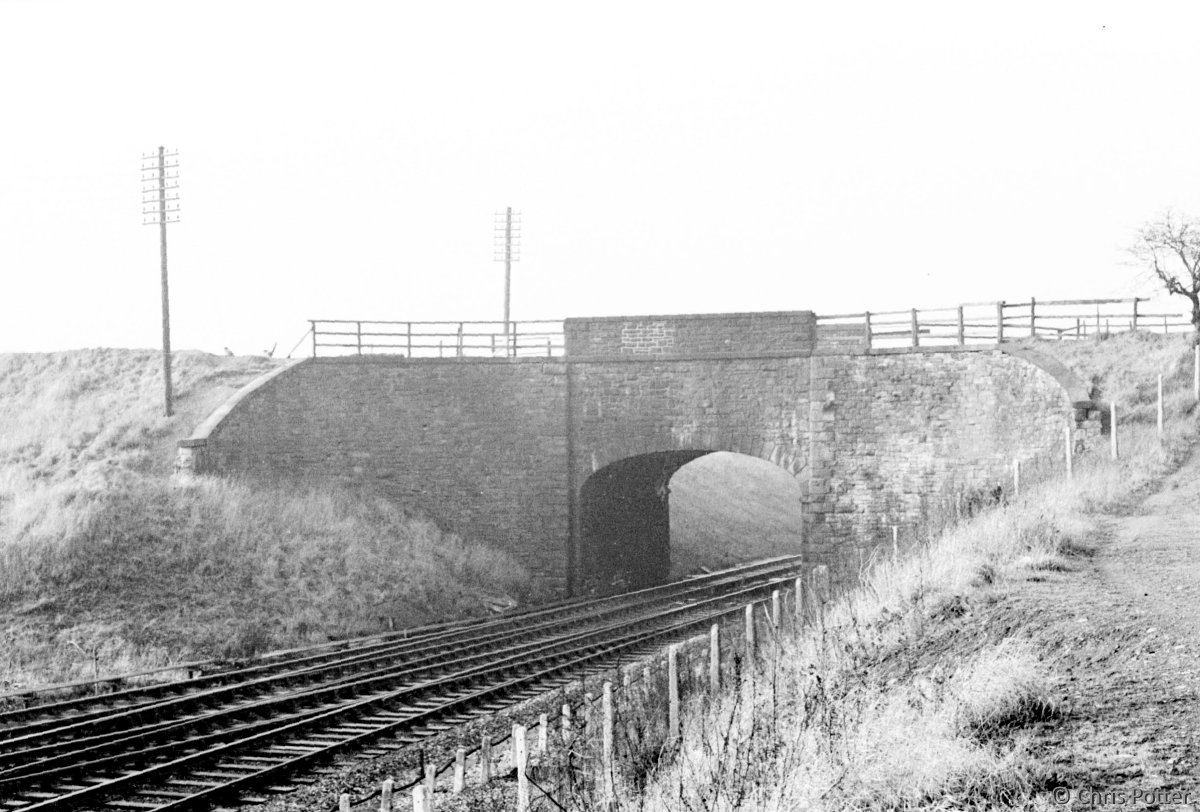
128	804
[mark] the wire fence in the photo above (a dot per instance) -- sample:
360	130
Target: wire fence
437	339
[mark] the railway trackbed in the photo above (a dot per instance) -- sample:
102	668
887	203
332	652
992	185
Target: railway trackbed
242	736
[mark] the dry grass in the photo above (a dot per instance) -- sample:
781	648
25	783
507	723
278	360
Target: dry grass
102	555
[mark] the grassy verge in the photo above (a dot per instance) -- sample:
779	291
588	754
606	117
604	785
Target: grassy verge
107	564
906	699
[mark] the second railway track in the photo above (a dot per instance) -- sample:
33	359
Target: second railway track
241	736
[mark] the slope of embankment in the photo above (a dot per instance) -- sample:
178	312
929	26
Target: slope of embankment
107	565
1027	657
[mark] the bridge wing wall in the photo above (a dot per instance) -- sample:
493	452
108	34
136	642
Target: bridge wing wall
479	446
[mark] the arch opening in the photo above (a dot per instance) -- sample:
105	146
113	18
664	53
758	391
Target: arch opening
651	518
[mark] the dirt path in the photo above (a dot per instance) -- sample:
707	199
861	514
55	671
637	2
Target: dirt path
1122	633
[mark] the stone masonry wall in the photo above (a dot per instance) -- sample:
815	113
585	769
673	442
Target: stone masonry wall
480	446
896	436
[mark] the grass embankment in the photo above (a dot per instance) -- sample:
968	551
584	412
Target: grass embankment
104	561
922	690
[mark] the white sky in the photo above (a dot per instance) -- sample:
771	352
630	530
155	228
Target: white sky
345	160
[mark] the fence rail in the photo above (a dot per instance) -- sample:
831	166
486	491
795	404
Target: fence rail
973	323
993	323
437	339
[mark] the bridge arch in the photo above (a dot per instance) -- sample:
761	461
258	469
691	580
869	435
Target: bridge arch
628	526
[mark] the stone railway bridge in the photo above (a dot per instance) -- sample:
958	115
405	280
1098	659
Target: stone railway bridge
565	461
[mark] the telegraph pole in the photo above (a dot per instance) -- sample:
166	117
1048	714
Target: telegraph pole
508	250
160	176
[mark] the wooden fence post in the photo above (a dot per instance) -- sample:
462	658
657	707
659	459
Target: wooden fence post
520	757
1032	317
608	792
776	609
430	781
962	329
916	330
421	801
344	802
358	336
1135	314
1016	479
895	542
673	692
385	795
714	657
566	724
1070	451
798	608
820	582
749	624
485	759
408	333
543	733
867	329
1112	428
313	326
460	770
999	322
585	729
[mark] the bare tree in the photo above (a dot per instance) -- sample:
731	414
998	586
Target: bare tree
1169	247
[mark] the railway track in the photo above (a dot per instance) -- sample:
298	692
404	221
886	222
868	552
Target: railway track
241	736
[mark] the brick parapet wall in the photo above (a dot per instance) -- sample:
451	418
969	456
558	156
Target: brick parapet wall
789	331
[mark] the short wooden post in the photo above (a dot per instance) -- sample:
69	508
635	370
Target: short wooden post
385	795
798	597
520	756
608	789
749	624
1112	428
714	657
1097	319
867	329
962	328
673	691
421	800
1135	314
485	759
586	728
313	328
430	781
460	340
408	333
1160	407
543	733
776	609
999	322
566	724
1032	317
916	330
1196	373
358	336
1078	326
1070	452
344	802
646	681
1016	479
460	770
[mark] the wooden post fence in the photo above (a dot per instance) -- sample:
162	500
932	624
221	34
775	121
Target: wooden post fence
485	759
714	658
608	792
520	757
673	692
1112	428
385	795
749	612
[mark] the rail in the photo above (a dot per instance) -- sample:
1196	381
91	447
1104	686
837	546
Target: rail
437	339
993	323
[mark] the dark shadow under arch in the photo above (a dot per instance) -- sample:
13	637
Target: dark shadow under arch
625	526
